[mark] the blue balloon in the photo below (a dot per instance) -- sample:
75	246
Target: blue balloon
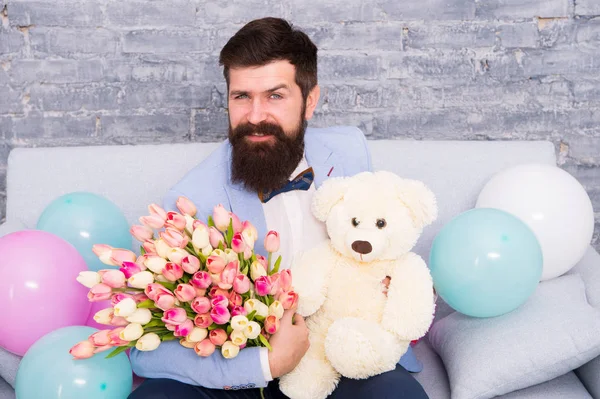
485	262
84	219
48	370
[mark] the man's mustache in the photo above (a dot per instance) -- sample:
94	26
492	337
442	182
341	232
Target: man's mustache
249	129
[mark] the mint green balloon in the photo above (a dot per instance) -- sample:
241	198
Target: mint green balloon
485	262
48	370
84	219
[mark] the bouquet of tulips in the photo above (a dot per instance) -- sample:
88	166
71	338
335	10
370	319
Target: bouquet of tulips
202	284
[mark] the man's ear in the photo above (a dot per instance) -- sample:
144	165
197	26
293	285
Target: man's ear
330	193
311	102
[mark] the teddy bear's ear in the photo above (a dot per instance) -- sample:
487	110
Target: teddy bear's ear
330	193
419	199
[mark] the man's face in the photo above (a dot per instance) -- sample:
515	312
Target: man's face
267	117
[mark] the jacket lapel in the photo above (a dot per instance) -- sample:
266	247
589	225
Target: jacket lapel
324	161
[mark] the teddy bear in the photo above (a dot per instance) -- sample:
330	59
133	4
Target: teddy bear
357	327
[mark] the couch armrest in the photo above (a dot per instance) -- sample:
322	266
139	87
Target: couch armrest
589	374
10	226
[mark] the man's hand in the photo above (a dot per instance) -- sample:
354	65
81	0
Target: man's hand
289	344
386	283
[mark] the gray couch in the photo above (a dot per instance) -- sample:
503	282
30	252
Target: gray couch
132	177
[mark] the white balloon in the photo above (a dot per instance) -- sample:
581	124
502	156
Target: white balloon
553	204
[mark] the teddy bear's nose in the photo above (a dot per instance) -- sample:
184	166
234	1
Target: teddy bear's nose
362	247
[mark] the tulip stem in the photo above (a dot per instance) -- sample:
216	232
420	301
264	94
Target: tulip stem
269	263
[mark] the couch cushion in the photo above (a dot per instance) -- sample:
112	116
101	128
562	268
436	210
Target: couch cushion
6	391
433	377
563	387
554	332
9	364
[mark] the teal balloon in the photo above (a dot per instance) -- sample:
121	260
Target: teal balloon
48	370
485	262
84	219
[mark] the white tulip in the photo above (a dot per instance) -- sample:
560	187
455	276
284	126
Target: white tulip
200	237
239	322
156	264
131	332
125	308
238	338
162	248
229	350
104	316
257	270
148	342
175	255
253	304
89	278
276	309
252	330
141	316
197	334
141	279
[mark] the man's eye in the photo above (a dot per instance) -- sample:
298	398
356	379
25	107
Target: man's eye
241	96
276	96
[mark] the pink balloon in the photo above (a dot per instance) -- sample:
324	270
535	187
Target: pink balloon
96	307
39	292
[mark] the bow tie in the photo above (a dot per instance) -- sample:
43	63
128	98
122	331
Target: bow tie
300	182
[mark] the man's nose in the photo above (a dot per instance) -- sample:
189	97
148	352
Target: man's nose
257	112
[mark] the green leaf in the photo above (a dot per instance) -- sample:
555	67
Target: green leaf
147	304
169	286
120	349
168	337
229	329
251	315
211	222
142	250
229	235
213	326
264	341
154	323
260	318
221	246
277	263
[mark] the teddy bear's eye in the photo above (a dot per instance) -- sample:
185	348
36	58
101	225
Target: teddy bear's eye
381	223
355	222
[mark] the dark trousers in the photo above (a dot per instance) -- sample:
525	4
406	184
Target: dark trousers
397	384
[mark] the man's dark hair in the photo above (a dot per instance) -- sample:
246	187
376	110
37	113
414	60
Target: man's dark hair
269	39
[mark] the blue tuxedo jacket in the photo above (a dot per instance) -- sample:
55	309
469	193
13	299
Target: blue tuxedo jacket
336	151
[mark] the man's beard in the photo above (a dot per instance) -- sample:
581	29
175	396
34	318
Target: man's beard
265	166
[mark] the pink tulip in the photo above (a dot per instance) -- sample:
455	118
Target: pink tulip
174	316
176	221
263	261
118	256
215	237
201	305
241	284
174	238
82	350
156	210
113	278
186	206
130	268
103	252
141	233
285	279
200	291
184	329
164	301
201	280
100	338
235	299
170	327
99	292
105	348
190	264
238	310
203	320
218	336
228	275
271	324
118	321
204	348
237	243
118	297
140	297
219	300
220	314
272	241
149	247
262	285
248	253
115	340
220	218
214	291
185	292
154	289
288	299
275	284
215	264
152	221
172	271
235	223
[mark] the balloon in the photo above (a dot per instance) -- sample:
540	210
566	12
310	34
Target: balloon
85	219
485	262
553	204
48	370
38	288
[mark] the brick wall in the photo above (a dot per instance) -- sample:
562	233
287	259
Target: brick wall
79	72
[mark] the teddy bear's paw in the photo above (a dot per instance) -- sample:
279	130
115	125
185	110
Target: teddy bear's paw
312	379
360	349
